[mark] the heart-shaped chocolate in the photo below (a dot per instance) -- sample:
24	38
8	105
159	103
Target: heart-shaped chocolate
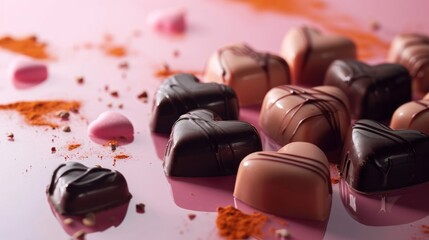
182	93
412	115
412	51
111	126
309	54
317	115
201	145
76	189
251	74
374	92
377	158
293	182
25	72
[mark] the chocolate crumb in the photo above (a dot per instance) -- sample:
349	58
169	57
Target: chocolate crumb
80	80
176	53
53	149
114	94
110	105
66	129
121	106
79	235
143	96
123	65
375	25
10	137
98	166
64	115
106	88
191	216
140	208
282	233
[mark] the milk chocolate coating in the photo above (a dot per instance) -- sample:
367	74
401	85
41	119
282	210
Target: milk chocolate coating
309	54
201	145
182	93
412	115
374	92
316	115
293	182
250	73
76	189
412	51
376	158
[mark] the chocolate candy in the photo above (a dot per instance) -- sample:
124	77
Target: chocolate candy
376	158
309	54
412	51
76	189
317	115
374	92
201	145
182	93
251	74
293	182
412	115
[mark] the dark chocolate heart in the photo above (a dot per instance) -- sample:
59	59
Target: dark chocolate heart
374	92
377	158
76	189
182	93
201	145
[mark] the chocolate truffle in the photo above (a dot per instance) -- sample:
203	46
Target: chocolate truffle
182	93
317	115
309	54
374	92
293	182
412	115
377	158
202	145
251	74
76	189
412	51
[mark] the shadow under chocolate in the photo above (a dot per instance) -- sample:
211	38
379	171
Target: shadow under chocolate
160	143
305	229
202	194
386	209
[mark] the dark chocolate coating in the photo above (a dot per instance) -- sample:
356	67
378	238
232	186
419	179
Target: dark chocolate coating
374	92
201	145
182	93
377	158
76	189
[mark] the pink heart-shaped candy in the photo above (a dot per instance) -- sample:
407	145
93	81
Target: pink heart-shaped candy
111	126
25	72
168	21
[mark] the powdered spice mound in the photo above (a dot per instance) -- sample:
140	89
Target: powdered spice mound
234	224
29	46
37	113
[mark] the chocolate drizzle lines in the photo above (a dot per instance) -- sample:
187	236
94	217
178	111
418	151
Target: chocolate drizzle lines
324	102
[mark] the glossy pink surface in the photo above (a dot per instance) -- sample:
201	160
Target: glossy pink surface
76	32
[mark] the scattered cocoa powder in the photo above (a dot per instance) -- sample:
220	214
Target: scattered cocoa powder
114	94
234	224
191	216
143	96
10	137
166	71
140	208
80	80
53	149
36	113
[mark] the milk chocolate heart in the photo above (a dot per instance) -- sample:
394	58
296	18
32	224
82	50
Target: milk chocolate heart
293	182
111	126
309	54
412	115
412	51
251	74
316	115
76	189
201	145
374	92
376	158
182	93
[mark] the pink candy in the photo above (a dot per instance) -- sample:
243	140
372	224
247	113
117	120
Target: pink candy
168	21
26	72
111	126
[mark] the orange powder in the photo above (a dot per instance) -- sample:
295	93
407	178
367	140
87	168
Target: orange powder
121	156
234	224
166	71
369	44
116	51
28	46
73	146
37	113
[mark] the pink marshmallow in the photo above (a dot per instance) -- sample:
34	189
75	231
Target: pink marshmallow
168	21
28	72
111	126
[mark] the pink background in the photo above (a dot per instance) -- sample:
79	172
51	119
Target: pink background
68	26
